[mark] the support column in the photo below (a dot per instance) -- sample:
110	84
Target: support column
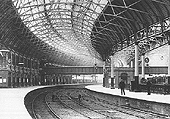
83	79
131	64
31	75
136	67
106	75
112	73
168	39
168	59
15	63
104	70
57	77
143	65
23	80
13	80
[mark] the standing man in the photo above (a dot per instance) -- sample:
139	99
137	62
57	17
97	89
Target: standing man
122	87
148	85
79	97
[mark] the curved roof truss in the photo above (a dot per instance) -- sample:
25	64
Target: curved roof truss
77	32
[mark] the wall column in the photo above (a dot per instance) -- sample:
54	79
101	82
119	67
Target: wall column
16	71
106	75
168	59
131	64
112	73
31	75
143	65
136	67
104	70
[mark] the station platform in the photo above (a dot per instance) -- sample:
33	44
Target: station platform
155	103
12	102
12	99
160	98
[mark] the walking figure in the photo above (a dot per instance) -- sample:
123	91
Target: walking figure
122	87
79	97
148	85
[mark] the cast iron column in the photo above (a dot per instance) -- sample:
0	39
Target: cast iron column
168	59
104	70
112	73
131	64
143	65
136	67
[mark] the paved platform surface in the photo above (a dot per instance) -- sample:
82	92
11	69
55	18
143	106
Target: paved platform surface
12	99
12	103
138	95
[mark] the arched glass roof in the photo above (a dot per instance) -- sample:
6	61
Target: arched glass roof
80	32
65	25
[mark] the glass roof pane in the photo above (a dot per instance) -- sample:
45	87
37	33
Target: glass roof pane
64	24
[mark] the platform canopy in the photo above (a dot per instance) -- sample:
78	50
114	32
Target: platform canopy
75	32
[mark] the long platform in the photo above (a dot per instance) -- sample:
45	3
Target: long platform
160	98
156	103
12	99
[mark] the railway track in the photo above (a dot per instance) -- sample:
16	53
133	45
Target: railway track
41	109
64	104
90	102
72	102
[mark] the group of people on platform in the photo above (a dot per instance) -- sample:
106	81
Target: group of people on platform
122	87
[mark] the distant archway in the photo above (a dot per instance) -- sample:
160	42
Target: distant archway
124	76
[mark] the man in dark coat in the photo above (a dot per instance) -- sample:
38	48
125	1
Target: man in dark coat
148	85
122	87
79	97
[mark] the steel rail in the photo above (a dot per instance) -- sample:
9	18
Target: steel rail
50	110
127	108
72	108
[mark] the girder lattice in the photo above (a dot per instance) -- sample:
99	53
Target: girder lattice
65	25
73	32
